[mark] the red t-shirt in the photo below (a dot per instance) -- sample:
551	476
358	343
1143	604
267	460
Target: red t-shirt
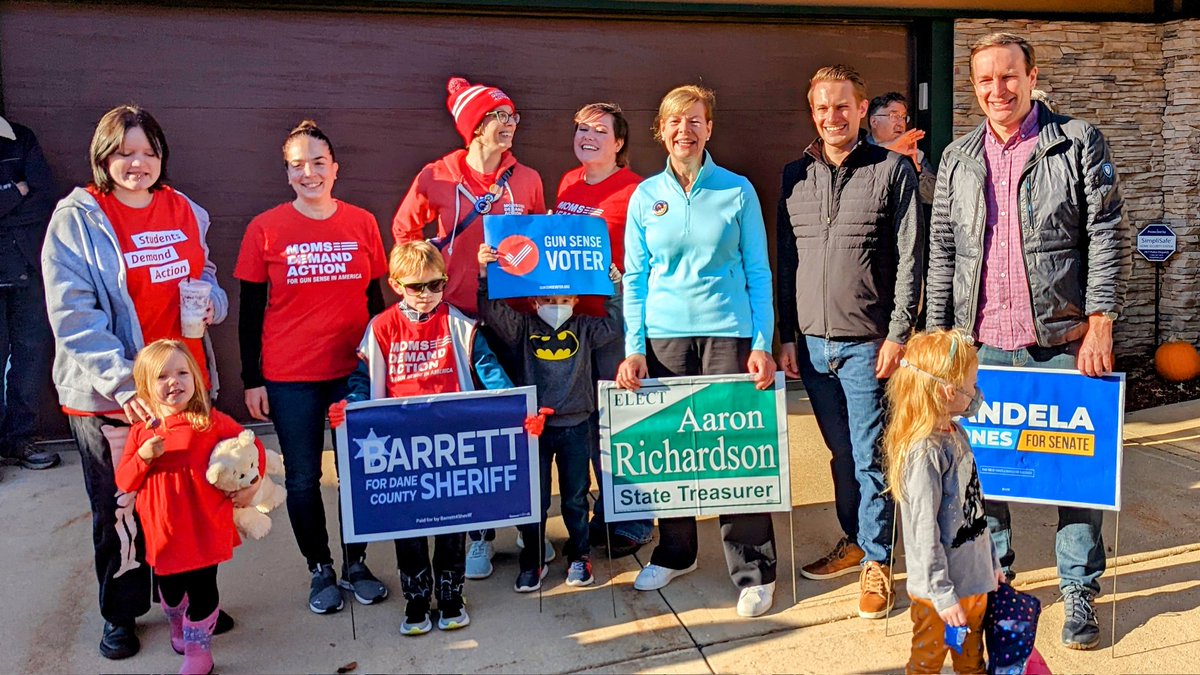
608	199
161	246
188	523
318	271
420	356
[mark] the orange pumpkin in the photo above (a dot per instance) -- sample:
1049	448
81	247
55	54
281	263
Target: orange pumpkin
1177	361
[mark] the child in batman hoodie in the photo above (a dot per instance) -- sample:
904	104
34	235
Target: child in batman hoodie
556	348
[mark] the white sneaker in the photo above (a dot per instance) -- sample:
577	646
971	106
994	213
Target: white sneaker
548	552
756	600
653	577
479	559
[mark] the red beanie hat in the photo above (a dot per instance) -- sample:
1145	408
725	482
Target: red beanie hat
468	103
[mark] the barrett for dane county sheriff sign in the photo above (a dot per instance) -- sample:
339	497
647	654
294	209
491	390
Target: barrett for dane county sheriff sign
693	446
1049	437
422	465
548	255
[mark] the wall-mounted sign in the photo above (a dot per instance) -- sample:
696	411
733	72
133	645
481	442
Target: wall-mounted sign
1156	242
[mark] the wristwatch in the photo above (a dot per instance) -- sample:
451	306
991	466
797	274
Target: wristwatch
1111	316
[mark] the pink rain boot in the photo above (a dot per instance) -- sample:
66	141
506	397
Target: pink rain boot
197	645
175	616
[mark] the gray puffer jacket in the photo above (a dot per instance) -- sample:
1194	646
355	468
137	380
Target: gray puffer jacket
1074	240
96	329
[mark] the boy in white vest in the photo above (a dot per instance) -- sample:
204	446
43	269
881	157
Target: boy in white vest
417	347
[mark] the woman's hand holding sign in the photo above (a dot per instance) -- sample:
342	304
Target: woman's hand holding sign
762	366
632	371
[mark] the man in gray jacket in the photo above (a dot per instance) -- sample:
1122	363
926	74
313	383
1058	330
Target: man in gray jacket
1029	253
850	250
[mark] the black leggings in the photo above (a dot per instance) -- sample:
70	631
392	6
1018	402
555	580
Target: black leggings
199	585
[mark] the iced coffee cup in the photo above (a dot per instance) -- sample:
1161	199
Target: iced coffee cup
193	305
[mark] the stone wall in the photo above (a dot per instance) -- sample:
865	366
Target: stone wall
1181	178
1140	85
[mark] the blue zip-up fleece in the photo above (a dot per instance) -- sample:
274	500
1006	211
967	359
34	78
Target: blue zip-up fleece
95	324
697	265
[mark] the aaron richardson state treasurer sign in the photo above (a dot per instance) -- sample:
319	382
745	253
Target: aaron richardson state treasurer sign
693	446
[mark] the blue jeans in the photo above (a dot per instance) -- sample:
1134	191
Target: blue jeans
641	531
298	412
848	403
1079	544
570	449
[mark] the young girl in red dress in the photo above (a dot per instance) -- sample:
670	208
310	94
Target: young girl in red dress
188	523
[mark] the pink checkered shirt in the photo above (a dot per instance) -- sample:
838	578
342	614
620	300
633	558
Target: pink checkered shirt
1005	309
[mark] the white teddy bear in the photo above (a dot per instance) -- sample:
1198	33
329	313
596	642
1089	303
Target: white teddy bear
233	466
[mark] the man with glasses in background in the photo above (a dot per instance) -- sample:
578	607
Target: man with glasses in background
888	120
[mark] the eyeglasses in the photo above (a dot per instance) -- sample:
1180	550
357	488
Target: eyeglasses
504	117
419	287
895	117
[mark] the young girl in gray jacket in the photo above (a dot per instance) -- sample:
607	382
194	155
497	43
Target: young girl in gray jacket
952	564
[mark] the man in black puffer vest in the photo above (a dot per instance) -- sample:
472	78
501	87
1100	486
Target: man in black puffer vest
848	286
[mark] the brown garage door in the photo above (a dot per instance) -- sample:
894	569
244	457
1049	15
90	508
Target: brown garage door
228	84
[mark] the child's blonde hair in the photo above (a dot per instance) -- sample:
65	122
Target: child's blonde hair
917	403
149	365
413	258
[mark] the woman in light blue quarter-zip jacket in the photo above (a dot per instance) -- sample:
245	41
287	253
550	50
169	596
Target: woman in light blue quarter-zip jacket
698	302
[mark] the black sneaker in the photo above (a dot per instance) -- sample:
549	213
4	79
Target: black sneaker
453	614
324	596
29	457
366	588
1080	629
529	581
416	618
120	641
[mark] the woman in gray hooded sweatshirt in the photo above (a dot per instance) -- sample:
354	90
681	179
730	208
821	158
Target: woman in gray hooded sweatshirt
114	256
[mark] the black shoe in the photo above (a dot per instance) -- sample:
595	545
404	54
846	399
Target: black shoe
621	546
1080	629
225	623
416	618
29	457
358	579
324	596
120	641
529	581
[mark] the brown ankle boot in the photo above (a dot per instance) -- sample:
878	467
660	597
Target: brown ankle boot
875	597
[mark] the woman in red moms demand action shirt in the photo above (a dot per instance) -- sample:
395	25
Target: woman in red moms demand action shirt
601	186
309	270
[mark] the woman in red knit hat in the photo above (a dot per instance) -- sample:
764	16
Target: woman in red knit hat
454	192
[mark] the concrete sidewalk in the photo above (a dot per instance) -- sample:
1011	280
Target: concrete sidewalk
50	622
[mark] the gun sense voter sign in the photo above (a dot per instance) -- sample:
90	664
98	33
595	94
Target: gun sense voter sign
426	465
693	446
548	255
1049	437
